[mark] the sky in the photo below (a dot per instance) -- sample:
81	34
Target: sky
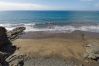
49	5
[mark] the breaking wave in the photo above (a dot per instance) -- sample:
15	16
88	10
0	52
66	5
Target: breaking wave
54	28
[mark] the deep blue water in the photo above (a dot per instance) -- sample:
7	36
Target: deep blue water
33	16
49	20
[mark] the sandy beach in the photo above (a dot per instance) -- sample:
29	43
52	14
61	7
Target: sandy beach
52	45
49	32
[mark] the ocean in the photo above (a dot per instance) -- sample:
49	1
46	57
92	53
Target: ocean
54	21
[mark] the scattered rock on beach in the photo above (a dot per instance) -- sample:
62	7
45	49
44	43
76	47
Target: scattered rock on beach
92	51
18	60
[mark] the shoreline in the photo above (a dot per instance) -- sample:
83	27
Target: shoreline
51	27
49	38
49	34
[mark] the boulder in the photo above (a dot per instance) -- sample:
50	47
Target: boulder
3	41
3	36
16	59
13	34
6	47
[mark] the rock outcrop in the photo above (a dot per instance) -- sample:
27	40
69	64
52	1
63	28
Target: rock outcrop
6	47
15	33
3	43
3	36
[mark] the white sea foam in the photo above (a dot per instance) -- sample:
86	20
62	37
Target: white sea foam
54	28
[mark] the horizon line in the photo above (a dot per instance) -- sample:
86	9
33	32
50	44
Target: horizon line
49	10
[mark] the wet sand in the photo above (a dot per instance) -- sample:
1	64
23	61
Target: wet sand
73	35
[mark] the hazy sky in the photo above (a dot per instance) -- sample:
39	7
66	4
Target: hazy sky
49	4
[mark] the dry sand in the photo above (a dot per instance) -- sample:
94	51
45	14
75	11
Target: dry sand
59	44
49	45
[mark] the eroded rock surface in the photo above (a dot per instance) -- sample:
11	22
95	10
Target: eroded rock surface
15	33
6	47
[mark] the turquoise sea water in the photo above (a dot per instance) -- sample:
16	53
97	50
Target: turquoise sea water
51	20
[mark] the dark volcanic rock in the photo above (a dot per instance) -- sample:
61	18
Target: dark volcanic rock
3	36
6	47
2	31
3	42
